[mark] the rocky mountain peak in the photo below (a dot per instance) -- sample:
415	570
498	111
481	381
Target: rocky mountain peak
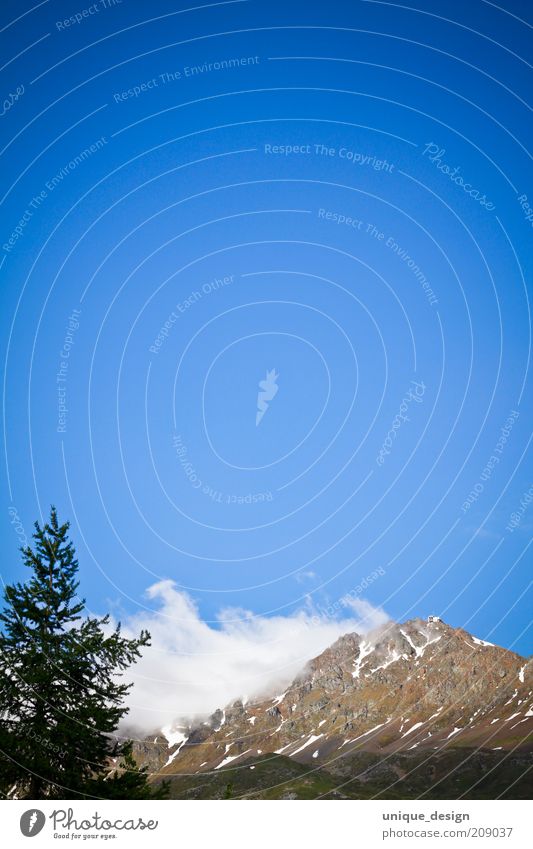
421	684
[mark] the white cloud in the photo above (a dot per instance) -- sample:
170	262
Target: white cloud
300	577
192	667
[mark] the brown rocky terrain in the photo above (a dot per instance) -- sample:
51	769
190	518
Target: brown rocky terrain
421	689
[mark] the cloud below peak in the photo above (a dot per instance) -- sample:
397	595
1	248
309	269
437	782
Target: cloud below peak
194	667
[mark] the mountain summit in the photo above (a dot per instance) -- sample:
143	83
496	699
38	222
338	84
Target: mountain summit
396	696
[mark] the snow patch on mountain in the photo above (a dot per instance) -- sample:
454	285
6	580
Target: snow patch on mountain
175	737
452	733
419	650
366	733
278	699
174	734
279	751
413	728
364	650
231	758
308	742
479	642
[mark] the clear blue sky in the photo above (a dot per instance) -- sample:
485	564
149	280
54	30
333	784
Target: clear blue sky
334	191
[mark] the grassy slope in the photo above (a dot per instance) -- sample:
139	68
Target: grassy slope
402	777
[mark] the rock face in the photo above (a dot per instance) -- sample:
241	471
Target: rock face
417	687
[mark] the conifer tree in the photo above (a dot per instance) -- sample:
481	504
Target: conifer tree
61	689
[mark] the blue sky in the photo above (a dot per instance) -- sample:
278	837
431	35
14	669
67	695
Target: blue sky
333	192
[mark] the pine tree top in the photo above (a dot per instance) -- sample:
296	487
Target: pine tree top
60	680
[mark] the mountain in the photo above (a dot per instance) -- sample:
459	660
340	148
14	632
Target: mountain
410	709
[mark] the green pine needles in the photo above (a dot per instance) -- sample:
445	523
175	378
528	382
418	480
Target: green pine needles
61	689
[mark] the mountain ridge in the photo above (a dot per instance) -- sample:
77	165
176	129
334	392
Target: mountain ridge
419	687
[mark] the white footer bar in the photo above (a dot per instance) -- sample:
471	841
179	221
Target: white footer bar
233	824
